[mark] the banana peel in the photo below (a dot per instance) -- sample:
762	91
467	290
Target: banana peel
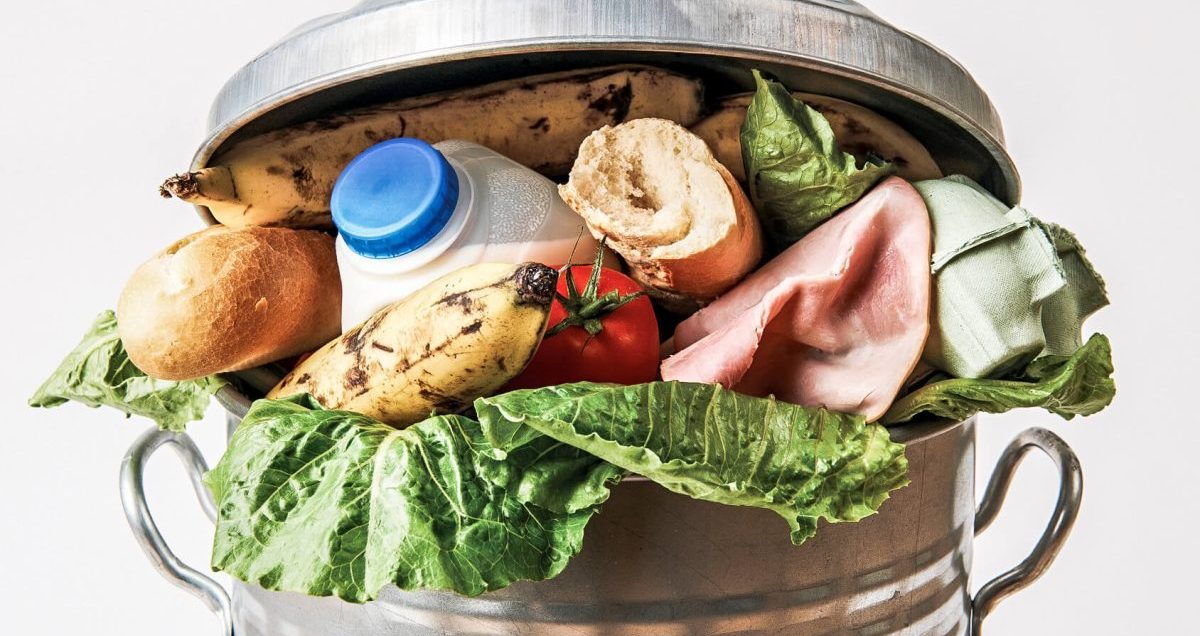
461	337
286	177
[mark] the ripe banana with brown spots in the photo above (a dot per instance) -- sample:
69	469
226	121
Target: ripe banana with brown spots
461	337
285	177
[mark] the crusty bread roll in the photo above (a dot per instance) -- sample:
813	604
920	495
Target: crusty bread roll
675	214
858	130
227	299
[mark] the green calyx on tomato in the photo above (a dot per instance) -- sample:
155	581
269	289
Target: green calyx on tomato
606	332
587	308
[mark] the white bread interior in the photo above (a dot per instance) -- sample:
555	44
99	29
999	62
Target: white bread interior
674	213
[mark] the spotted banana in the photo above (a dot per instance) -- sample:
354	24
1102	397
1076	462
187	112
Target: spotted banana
285	177
461	337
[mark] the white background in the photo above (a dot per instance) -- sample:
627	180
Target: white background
100	100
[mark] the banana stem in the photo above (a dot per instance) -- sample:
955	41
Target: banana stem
203	187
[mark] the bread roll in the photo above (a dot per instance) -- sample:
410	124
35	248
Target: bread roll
675	214
227	299
859	131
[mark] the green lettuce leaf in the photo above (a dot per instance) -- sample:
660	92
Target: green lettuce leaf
1079	384
98	372
795	173
709	443
332	503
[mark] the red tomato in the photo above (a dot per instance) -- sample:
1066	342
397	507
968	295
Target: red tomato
624	347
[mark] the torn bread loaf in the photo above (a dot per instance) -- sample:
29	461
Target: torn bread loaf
675	214
859	131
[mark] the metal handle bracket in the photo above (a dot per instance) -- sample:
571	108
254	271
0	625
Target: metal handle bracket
1066	510
141	522
207	589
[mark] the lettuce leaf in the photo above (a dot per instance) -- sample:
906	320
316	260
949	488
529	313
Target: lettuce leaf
1079	384
332	503
98	372
796	175
709	443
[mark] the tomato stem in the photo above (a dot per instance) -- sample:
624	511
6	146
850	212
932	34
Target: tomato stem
586	309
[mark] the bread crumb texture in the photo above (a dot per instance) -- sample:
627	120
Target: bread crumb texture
651	185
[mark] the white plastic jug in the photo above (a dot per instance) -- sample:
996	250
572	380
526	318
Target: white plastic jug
408	213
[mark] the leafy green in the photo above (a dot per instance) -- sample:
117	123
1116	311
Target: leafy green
796	175
336	503
1079	384
98	372
709	443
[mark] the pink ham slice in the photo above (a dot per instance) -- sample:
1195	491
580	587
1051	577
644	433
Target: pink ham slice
837	320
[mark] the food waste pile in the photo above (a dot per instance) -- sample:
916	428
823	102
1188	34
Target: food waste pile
487	307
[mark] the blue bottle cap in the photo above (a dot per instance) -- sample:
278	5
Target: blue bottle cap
393	198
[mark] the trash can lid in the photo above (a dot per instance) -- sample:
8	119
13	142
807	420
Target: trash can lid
387	49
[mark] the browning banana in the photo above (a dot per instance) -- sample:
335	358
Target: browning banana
461	337
285	177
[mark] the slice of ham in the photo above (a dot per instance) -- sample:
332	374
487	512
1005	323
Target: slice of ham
837	320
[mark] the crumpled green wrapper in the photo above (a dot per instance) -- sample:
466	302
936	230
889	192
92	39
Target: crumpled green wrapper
1007	287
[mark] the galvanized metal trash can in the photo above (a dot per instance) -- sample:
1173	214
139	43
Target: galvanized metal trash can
655	562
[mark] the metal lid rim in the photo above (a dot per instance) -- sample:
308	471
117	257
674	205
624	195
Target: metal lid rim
223	131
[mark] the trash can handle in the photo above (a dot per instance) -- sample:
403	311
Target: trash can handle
137	512
1070	494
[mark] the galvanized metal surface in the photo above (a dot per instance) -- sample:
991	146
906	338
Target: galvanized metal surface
386	49
655	562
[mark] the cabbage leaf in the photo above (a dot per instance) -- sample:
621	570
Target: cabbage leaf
1079	384
795	173
98	372
713	444
333	503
